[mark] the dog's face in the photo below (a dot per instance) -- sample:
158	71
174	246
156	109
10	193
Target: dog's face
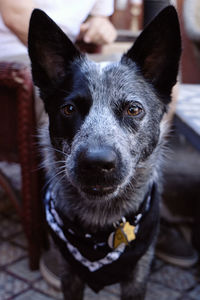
104	119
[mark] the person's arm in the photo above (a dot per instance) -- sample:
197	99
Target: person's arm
103	8
98	29
16	15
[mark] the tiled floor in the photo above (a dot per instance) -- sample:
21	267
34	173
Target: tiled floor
17	282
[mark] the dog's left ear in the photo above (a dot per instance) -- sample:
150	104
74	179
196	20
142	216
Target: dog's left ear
157	51
50	51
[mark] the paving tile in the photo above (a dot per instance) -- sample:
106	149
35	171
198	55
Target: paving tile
5	203
157	264
186	297
43	286
195	293
20	240
33	295
114	289
10	253
107	293
102	295
156	291
18	283
174	277
10	286
21	269
9	228
13	172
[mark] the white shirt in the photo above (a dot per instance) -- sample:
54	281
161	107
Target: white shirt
68	14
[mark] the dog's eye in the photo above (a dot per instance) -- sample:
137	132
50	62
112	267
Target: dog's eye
134	110
69	109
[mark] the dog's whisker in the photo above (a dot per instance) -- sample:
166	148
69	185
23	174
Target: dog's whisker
50	180
53	163
58	181
56	150
44	164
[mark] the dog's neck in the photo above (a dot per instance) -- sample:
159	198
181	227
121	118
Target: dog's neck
99	214
56	218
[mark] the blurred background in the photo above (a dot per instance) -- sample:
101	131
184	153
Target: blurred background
23	237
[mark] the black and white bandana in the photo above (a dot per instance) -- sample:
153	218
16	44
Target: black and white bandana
90	254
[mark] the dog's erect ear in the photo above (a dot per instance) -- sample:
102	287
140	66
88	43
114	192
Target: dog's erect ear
50	51
157	51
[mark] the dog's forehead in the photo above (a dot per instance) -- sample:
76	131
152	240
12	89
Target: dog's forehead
101	66
107	74
114	81
97	69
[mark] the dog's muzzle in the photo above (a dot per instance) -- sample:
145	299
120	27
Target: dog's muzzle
96	169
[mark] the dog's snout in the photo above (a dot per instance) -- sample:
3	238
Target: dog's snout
101	159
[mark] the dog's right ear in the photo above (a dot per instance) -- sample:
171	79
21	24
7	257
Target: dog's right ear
50	50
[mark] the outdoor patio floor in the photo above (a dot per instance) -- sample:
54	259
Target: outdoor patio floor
17	282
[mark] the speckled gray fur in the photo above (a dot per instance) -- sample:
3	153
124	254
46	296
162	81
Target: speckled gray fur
108	87
144	76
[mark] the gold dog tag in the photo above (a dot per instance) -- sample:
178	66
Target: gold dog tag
123	234
129	230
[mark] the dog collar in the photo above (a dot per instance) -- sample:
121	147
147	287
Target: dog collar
110	247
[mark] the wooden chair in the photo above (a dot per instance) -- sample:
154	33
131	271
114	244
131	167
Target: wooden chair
18	143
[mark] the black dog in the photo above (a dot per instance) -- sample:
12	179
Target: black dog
103	151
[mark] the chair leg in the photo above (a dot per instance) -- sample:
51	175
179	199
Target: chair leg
33	248
17	78
33	218
34	255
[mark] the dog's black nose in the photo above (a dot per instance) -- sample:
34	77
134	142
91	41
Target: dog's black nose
99	159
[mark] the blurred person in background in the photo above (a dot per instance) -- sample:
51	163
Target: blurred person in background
86	19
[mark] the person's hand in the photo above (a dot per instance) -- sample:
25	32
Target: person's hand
98	30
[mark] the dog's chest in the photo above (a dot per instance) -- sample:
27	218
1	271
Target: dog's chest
108	256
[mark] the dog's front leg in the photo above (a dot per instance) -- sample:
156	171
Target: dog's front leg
72	285
135	287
